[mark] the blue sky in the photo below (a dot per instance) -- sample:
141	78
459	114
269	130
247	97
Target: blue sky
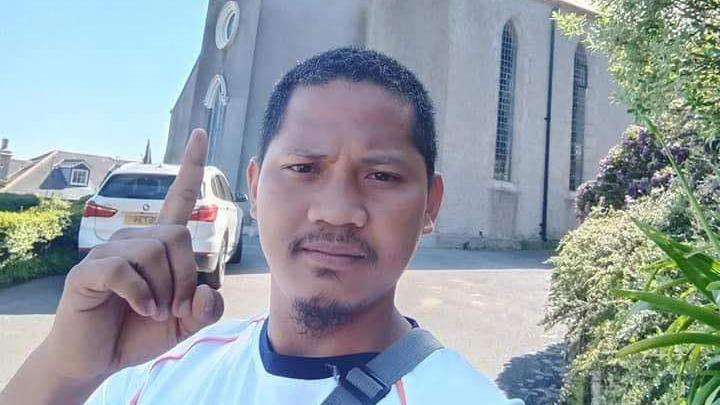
94	76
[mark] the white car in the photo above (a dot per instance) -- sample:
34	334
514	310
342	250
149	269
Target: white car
132	195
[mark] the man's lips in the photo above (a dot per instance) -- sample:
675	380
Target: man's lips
333	255
334	249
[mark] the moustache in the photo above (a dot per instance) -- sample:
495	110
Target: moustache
345	237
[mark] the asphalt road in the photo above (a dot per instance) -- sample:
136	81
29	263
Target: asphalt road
485	304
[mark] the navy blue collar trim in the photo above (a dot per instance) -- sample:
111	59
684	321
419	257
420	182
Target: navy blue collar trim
310	368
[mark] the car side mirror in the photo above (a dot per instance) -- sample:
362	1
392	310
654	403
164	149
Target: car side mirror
241	197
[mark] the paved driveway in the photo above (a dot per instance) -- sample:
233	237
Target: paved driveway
485	304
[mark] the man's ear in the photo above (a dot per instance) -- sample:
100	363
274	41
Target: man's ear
434	200
253	176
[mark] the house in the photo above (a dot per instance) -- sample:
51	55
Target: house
66	175
523	112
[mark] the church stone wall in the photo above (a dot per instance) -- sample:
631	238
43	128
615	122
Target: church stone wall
454	47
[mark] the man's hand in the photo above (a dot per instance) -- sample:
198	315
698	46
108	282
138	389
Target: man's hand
134	297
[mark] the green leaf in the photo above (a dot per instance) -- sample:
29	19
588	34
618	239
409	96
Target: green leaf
711	398
656	268
701	249
670	339
715	285
680	324
675	306
706	391
693	361
670	284
660	265
696	209
699	268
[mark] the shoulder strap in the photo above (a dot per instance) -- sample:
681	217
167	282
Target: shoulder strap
368	384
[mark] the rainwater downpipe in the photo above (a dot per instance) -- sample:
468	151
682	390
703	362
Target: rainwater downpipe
548	119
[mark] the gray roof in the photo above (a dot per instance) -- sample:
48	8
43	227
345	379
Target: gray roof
43	176
70	163
16	165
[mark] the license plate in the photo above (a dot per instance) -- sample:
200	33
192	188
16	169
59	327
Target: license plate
140	219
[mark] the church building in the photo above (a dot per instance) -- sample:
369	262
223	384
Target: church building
524	113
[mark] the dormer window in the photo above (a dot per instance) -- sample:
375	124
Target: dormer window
79	177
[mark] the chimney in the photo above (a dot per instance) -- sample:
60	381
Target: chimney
5	157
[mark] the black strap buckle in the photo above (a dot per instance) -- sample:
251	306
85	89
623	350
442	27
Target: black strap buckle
365	385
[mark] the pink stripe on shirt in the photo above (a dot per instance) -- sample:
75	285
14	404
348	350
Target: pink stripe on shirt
178	356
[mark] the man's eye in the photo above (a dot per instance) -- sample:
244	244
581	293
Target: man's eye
301	168
384	177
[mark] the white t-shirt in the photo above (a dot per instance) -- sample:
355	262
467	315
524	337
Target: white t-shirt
232	362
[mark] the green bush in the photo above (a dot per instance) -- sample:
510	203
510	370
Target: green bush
38	241
608	252
17	202
69	238
22	232
50	262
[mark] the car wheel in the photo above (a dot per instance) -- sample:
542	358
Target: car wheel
237	254
215	279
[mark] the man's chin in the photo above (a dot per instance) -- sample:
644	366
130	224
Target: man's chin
320	315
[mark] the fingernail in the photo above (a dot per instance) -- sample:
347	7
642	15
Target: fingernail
150	308
185	309
209	306
163	314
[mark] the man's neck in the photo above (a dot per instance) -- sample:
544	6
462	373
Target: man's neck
373	330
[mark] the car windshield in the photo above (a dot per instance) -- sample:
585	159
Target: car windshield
138	186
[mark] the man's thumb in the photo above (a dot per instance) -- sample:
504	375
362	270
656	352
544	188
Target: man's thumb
207	308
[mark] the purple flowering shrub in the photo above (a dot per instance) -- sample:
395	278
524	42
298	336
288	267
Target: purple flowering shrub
630	170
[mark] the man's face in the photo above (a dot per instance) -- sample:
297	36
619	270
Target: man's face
342	196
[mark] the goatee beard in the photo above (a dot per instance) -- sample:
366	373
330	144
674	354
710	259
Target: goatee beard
321	317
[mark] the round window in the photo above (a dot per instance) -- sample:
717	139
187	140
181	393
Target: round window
227	24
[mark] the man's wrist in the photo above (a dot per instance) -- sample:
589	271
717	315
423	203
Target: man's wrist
38	382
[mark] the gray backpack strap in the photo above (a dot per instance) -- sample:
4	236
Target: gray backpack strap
370	383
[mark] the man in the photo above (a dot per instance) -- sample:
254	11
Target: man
343	186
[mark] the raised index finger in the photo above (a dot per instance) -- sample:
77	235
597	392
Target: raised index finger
183	193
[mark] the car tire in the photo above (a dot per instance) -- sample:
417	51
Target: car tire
237	254
215	279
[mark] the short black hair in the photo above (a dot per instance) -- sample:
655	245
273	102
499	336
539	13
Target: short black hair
356	65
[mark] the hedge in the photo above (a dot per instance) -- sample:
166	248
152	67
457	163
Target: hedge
607	252
17	202
38	241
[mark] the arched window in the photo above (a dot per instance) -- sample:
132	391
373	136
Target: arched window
506	101
577	130
227	24
215	101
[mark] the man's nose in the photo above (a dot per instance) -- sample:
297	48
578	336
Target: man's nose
339	203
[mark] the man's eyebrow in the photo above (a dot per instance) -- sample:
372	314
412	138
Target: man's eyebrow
376	159
305	153
384	160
